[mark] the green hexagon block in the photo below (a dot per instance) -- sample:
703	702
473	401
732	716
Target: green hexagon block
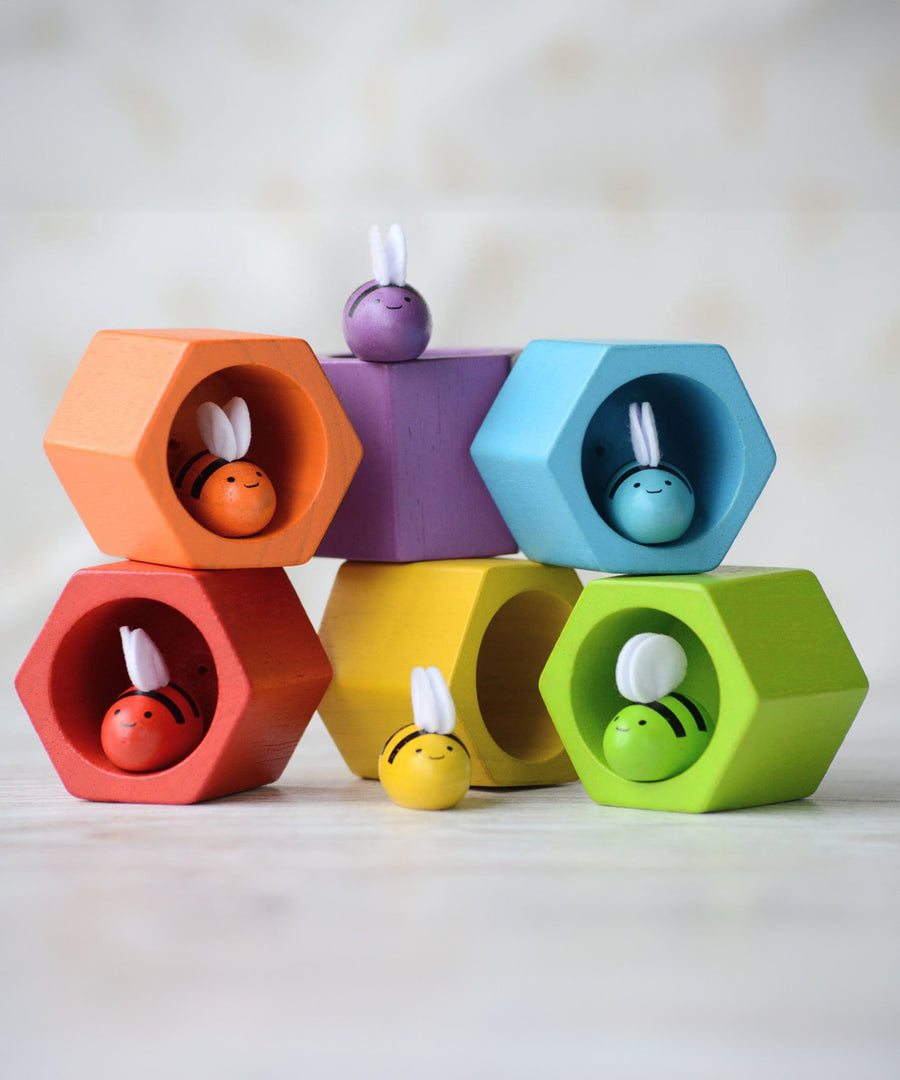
767	658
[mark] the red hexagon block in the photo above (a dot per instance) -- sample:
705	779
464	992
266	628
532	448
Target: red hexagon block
239	641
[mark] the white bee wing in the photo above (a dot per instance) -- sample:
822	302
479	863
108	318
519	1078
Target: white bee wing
650	666
443	701
143	661
396	255
239	416
638	443
216	431
380	271
651	438
419	693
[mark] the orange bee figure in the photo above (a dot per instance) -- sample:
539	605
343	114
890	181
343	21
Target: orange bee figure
154	724
218	487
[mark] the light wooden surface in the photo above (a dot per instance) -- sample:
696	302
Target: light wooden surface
315	929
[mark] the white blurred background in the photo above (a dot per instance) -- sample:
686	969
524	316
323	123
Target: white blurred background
724	172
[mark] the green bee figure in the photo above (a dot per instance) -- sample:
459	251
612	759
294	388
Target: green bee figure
663	732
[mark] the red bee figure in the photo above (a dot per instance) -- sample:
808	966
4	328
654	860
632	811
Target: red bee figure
221	489
154	724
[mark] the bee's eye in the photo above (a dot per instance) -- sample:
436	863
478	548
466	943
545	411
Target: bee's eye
407	298
642	721
116	713
668	483
148	715
258	473
419	751
637	484
377	301
449	747
230	479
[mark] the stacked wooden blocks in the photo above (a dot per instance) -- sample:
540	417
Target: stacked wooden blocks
222	610
765	653
466	457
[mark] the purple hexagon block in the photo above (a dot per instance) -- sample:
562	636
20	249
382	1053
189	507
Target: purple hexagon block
417	494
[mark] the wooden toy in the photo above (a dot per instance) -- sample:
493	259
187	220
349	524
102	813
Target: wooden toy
554	438
663	732
488	624
417	494
424	766
154	723
385	319
649	500
766	657
219	487
127	424
239	640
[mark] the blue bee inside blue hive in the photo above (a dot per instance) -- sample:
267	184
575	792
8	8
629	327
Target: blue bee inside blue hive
559	437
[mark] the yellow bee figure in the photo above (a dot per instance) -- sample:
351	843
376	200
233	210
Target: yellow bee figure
424	766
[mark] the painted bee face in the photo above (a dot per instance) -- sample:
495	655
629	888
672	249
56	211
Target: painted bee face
650	505
657	740
386	323
230	498
424	771
146	732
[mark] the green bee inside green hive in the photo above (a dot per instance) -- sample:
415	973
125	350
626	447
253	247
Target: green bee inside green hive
663	732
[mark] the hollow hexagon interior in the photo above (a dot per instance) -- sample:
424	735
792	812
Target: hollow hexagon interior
88	670
288	437
595	697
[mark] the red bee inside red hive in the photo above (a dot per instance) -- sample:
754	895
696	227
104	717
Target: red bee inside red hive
153	724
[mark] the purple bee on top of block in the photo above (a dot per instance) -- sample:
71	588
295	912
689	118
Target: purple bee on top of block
385	319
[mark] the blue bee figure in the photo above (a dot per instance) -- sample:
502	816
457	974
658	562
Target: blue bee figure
662	732
648	500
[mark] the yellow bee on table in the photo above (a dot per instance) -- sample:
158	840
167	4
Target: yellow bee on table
424	766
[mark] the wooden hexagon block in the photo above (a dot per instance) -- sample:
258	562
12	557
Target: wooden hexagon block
558	434
239	642
767	660
488	624
127	425
417	494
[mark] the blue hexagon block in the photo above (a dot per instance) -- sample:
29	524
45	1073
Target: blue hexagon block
558	432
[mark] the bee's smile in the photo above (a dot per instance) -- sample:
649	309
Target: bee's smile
252	485
622	728
658	491
440	757
393	307
123	724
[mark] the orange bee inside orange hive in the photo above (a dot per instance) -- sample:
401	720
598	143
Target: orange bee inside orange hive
226	493
153	724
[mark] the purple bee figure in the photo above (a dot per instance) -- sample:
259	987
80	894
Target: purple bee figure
386	320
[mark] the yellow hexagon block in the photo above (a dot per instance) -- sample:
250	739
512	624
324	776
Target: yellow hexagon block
488	624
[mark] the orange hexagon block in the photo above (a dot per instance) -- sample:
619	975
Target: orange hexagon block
240	642
127	423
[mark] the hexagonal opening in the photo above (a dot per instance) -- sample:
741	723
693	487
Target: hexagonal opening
288	441
88	670
697	433
512	654
595	698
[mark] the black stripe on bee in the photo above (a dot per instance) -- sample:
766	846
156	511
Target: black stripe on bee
671	719
372	289
692	709
161	698
414	735
640	468
182	473
193	704
201	477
